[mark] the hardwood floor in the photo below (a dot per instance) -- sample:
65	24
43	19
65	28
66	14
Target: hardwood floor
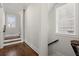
20	49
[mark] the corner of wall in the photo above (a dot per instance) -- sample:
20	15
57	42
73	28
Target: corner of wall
32	46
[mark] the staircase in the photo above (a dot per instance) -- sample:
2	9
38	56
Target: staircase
9	40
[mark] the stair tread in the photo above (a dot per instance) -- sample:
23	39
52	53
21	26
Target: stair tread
12	41
11	37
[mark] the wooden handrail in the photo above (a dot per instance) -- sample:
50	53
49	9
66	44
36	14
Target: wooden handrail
4	29
53	42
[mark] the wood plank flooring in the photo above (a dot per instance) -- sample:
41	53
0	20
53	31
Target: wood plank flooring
20	49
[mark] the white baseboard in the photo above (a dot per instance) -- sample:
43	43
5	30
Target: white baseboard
34	48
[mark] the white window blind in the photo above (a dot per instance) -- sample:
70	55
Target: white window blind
65	19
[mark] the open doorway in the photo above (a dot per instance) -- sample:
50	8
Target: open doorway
11	28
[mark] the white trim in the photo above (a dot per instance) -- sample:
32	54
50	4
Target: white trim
12	40
11	35
21	15
66	35
34	48
12	43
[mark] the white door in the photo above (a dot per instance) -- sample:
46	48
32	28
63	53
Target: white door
2	21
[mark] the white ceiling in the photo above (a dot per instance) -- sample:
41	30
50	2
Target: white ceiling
51	6
14	6
19	6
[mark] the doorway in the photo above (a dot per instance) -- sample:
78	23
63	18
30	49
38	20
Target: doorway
12	29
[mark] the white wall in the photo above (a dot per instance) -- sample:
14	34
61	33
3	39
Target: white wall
1	26
32	25
36	34
21	22
43	46
63	47
51	22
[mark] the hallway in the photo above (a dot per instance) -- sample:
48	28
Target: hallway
38	25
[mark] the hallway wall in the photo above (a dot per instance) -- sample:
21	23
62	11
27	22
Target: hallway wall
2	20
32	25
36	28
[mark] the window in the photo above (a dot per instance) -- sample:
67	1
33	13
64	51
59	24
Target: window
65	19
11	21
